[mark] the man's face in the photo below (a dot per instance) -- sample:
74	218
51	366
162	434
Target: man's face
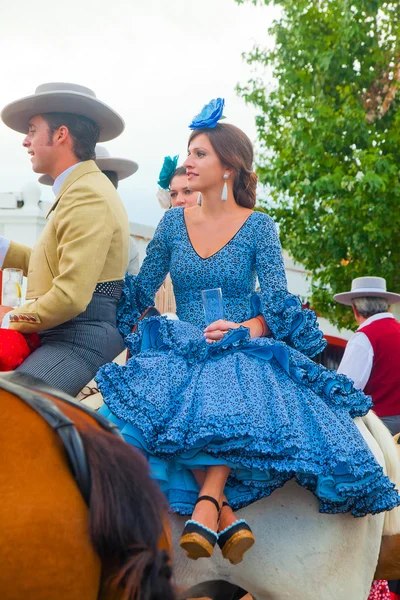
38	142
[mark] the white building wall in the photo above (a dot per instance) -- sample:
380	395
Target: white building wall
23	225
141	235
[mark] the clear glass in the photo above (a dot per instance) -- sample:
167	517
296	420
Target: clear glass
213	305
12	287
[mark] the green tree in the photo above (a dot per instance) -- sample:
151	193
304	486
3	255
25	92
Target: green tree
329	140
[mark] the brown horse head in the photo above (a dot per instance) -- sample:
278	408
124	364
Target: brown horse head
62	548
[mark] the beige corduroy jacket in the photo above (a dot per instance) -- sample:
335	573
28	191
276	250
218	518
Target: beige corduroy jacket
85	242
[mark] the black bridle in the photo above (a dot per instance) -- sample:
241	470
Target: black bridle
30	390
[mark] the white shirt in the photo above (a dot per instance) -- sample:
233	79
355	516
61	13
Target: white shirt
358	357
5	243
133	267
62	176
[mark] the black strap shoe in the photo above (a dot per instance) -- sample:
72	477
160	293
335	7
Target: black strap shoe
198	540
235	540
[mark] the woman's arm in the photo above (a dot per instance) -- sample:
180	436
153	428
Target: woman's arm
140	290
282	311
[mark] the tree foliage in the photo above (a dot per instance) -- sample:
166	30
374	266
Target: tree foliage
329	137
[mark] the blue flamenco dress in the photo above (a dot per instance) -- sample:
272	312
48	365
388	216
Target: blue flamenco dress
259	405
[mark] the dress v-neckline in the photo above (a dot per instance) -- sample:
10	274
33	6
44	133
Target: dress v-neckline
222	247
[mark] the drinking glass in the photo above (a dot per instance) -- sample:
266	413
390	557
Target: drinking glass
213	305
12	287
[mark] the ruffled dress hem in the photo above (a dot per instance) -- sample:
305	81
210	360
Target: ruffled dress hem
261	460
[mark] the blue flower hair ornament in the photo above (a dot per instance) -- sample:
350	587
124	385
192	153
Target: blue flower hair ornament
167	170
209	116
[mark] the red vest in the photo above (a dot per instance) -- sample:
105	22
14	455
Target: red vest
384	382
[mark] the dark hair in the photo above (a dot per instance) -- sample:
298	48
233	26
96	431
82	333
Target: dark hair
178	171
235	151
113	177
85	133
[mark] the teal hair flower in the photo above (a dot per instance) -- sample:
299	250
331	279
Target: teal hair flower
167	170
209	116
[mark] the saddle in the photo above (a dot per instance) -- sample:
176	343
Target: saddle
31	391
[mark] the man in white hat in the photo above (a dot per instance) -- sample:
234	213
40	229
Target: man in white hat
371	355
115	169
75	272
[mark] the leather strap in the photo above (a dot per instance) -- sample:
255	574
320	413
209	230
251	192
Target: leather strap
58	421
33	384
210	499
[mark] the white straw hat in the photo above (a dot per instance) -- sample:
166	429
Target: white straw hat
121	166
63	97
363	287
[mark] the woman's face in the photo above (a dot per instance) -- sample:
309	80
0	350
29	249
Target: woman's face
203	167
180	193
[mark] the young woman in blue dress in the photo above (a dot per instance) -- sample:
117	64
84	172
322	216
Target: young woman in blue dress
229	412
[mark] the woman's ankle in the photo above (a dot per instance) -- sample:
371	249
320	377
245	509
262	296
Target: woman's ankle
227	518
207	514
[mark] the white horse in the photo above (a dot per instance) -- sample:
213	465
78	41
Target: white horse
300	553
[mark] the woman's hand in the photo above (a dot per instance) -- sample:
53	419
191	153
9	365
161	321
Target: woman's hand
217	330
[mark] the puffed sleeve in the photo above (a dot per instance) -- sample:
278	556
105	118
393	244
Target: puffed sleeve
140	290
283	311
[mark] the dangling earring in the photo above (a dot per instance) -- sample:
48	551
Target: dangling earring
224	196
199	199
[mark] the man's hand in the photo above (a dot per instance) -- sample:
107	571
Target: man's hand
217	330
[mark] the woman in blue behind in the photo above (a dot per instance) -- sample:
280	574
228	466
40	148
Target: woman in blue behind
230	412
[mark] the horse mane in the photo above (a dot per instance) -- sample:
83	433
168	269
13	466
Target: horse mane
126	517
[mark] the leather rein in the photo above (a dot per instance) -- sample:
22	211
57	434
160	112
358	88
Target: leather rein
30	390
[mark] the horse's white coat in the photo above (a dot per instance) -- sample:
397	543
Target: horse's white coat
300	553
380	435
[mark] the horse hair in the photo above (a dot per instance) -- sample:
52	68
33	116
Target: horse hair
126	517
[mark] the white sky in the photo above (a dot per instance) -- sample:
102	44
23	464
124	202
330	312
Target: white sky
156	62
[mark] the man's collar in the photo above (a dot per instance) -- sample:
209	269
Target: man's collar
60	179
378	317
82	168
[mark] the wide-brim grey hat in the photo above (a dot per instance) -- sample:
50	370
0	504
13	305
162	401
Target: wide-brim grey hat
121	166
68	98
367	287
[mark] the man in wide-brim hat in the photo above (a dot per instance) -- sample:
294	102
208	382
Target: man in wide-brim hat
371	355
115	169
75	272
